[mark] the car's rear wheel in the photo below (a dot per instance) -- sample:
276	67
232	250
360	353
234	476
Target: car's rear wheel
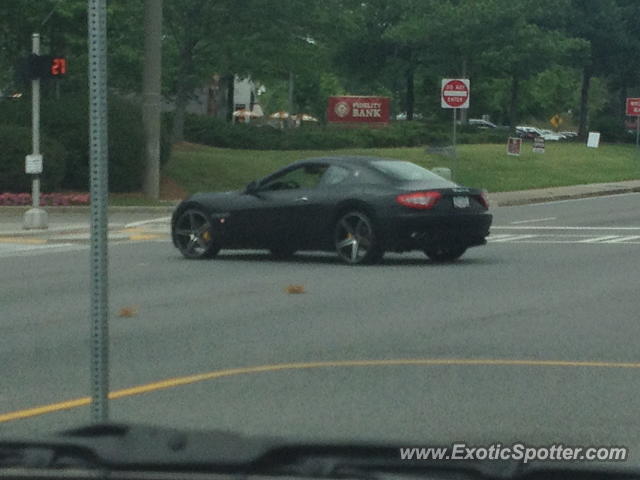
445	253
355	239
282	252
194	236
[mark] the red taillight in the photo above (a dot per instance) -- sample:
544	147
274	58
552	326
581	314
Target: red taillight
420	200
483	198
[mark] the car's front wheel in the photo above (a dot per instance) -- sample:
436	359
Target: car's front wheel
445	253
193	235
355	239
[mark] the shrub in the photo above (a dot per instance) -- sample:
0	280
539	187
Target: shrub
16	143
218	133
612	129
67	120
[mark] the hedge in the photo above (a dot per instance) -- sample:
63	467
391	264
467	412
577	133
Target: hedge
16	143
67	120
214	132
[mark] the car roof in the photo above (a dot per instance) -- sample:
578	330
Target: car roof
360	160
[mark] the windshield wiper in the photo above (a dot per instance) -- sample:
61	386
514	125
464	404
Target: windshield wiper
140	448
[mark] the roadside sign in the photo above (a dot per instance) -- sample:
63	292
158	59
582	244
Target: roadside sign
556	120
455	93
538	145
594	140
633	110
633	107
359	109
33	164
514	145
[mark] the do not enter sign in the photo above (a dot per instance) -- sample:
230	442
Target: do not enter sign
455	93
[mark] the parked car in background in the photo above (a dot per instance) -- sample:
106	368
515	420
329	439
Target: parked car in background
526	132
569	134
403	116
551	136
480	123
533	132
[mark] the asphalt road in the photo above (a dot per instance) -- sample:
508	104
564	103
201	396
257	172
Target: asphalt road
533	337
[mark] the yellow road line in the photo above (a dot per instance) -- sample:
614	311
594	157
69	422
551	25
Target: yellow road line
23	240
190	379
141	237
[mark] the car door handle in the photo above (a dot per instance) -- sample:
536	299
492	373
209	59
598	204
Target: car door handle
302	199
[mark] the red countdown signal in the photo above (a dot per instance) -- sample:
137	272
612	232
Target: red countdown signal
46	66
58	67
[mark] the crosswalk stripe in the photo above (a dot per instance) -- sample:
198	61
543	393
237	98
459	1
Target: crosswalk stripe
627	238
599	239
514	238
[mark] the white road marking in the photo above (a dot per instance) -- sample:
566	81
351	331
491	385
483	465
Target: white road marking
627	238
537	227
599	239
566	238
533	220
500	235
513	238
21	250
147	222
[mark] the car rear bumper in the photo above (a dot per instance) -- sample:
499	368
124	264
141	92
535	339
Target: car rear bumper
420	231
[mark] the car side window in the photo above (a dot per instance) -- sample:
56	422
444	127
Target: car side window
303	177
334	175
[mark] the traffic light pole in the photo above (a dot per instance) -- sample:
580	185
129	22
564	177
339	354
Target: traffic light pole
35	217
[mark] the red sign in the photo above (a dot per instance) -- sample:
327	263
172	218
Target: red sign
350	109
514	146
633	107
455	93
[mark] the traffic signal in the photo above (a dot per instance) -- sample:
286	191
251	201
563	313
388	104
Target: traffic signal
46	66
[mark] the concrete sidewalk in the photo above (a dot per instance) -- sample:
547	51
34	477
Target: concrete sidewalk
72	223
74	226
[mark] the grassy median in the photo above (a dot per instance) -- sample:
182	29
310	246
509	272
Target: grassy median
202	168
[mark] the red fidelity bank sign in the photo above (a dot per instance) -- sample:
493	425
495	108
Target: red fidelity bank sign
358	110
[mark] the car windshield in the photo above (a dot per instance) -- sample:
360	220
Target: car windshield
413	222
409	172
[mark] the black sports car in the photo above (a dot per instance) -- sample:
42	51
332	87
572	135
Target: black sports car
357	206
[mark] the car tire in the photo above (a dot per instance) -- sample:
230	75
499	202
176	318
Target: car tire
443	254
355	239
194	236
282	252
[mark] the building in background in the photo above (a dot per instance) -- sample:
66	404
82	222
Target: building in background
222	92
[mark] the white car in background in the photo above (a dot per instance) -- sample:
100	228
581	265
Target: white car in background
548	135
552	136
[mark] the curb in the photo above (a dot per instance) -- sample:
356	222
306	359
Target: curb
551	197
73	230
87	209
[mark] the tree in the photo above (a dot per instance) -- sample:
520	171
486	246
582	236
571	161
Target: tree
598	23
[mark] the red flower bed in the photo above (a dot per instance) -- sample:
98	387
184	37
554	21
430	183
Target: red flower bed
46	199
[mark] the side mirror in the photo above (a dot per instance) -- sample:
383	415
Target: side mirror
251	188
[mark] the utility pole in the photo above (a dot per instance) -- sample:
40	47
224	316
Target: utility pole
151	106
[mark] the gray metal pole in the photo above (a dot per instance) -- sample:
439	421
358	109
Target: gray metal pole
151	95
455	154
98	155
35	217
35	124
290	119
637	132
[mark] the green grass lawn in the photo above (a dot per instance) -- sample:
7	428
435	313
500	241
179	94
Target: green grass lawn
202	168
